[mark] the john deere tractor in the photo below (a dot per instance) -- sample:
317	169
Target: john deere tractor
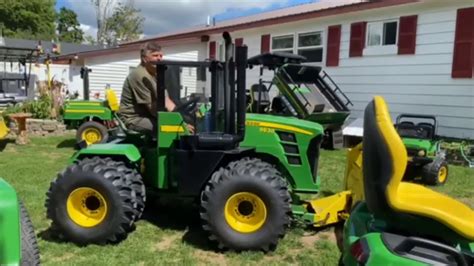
246	171
426	160
17	238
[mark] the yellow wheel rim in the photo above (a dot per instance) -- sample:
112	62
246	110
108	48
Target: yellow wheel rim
245	212
442	174
91	135
86	207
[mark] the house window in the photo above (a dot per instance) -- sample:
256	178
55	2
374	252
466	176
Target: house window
283	43
309	45
382	33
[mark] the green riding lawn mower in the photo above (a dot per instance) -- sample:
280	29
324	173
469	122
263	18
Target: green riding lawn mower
18	244
426	159
247	171
393	222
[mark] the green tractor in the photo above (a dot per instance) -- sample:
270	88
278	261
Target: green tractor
18	244
247	171
92	119
425	157
397	222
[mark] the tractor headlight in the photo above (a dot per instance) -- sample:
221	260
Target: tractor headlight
421	153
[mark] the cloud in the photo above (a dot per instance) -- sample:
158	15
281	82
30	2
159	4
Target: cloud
163	16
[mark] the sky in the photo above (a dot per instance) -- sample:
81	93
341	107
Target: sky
162	16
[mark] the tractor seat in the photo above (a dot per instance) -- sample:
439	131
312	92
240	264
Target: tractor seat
112	100
255	90
384	164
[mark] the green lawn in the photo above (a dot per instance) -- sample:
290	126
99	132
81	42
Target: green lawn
170	233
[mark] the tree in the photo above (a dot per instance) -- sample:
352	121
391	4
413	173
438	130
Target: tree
28	19
68	26
103	10
125	24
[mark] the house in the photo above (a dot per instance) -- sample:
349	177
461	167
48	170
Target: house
418	54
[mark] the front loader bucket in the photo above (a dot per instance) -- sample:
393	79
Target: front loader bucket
329	120
3	129
332	209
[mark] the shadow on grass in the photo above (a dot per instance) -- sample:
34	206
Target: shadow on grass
51	235
179	216
5	142
67	143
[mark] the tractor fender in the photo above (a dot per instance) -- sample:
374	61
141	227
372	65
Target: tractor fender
128	151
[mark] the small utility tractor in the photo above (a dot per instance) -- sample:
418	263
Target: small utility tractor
425	157
92	118
18	244
397	222
246	171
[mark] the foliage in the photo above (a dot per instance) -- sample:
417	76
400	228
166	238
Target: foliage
68	26
103	10
40	108
117	23
124	25
28	19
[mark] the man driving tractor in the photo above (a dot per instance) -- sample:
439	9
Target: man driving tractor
138	102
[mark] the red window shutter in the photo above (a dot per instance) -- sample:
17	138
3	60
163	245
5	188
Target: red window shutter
357	42
212	50
463	56
334	44
265	44
239	42
407	34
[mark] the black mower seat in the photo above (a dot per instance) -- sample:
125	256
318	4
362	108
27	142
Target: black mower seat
384	164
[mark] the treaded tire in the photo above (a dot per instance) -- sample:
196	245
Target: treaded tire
96	125
246	175
29	246
112	181
431	173
132	178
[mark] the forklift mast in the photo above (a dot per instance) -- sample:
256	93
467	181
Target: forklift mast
223	83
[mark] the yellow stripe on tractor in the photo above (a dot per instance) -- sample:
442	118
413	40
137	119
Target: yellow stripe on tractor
85	103
85	111
278	126
172	129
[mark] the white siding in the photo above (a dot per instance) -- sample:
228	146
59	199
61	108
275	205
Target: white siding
419	83
113	69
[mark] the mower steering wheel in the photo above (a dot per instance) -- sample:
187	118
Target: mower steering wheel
188	106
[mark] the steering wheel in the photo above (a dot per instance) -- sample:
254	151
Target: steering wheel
187	109
188	106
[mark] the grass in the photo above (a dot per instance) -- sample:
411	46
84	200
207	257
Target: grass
170	233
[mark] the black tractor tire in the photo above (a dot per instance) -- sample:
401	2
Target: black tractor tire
95	127
30	255
248	176
93	186
133	179
435	173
